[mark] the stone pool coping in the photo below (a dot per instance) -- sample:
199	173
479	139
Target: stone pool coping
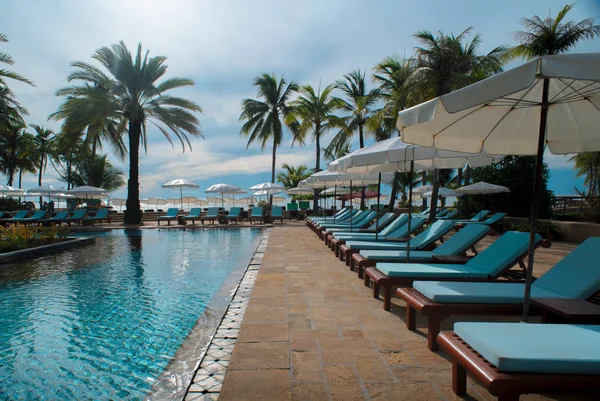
208	339
39	251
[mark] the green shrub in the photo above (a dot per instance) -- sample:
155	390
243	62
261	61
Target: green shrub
17	236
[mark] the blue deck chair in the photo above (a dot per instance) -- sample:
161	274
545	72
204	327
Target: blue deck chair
171	215
490	264
490	221
277	213
21	214
193	215
441	213
211	215
59	218
378	224
361	219
338	216
2	214
350	218
36	218
234	214
77	216
100	216
450	215
478	217
257	214
393	231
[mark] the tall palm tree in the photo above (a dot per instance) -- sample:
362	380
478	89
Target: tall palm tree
291	176
44	142
126	91
263	118
8	60
14	141
26	160
446	63
312	114
103	174
552	35
69	150
358	104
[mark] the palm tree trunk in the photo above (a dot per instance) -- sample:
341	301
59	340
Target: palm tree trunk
317	167
273	163
434	196
133	213
361	140
395	187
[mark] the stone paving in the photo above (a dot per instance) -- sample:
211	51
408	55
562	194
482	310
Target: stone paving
312	331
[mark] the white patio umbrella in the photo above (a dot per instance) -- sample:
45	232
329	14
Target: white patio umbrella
442	192
118	202
269	187
224	189
336	191
552	102
181	183
8	190
157	202
277	199
88	192
247	200
47	189
189	200
481	188
299	191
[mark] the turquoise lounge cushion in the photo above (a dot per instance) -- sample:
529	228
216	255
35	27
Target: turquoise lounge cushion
577	275
479	293
462	240
428	270
501	254
535	348
400	256
373	245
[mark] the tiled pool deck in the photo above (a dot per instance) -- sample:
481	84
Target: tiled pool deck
312	331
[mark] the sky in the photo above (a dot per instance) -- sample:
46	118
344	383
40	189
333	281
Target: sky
222	45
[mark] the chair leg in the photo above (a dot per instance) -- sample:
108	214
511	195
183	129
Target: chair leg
411	315
387	297
459	379
432	332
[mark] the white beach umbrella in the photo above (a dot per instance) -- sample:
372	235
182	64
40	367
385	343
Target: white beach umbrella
118	202
156	202
422	189
8	190
269	187
299	191
277	199
336	191
47	189
88	192
552	102
247	200
442	192
224	189
481	188
180	183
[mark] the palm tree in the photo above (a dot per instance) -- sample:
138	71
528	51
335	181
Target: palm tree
358	105
552	35
44	142
263	118
69	150
26	161
14	141
7	60
588	165
312	114
446	63
291	176
127	93
103	174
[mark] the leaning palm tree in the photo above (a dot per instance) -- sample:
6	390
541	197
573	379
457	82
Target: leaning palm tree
126	91
8	60
263	118
291	176
446	63
44	143
313	114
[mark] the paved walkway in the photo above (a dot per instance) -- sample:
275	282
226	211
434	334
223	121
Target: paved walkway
312	331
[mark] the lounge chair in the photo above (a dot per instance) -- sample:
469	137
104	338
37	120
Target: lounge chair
171	215
2	214
450	215
422	241
277	213
100	216
425	212
456	245
356	220
478	217
492	263
257	214
21	214
304	205
441	213
35	218
342	215
575	276
194	214
493	220
77	216
375	226
292	209
211	215
234	214
59	218
510	359
398	233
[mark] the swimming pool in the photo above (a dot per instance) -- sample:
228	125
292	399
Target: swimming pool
103	321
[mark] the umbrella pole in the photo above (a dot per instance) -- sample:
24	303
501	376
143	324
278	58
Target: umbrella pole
410	181
181	197
535	203
334	199
378	193
352	203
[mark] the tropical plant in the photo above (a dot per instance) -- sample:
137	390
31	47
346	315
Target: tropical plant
127	92
69	149
8	60
27	157
445	63
263	118
588	165
291	176
102	174
331	154
552	35
44	143
14	141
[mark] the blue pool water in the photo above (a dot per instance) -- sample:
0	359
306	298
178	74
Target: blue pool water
103	321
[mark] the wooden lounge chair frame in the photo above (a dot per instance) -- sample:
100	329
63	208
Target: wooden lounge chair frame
381	281
328	237
167	218
505	385
280	217
93	219
253	218
191	218
209	218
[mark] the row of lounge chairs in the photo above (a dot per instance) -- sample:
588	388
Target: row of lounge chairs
212	215
39	217
442	282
